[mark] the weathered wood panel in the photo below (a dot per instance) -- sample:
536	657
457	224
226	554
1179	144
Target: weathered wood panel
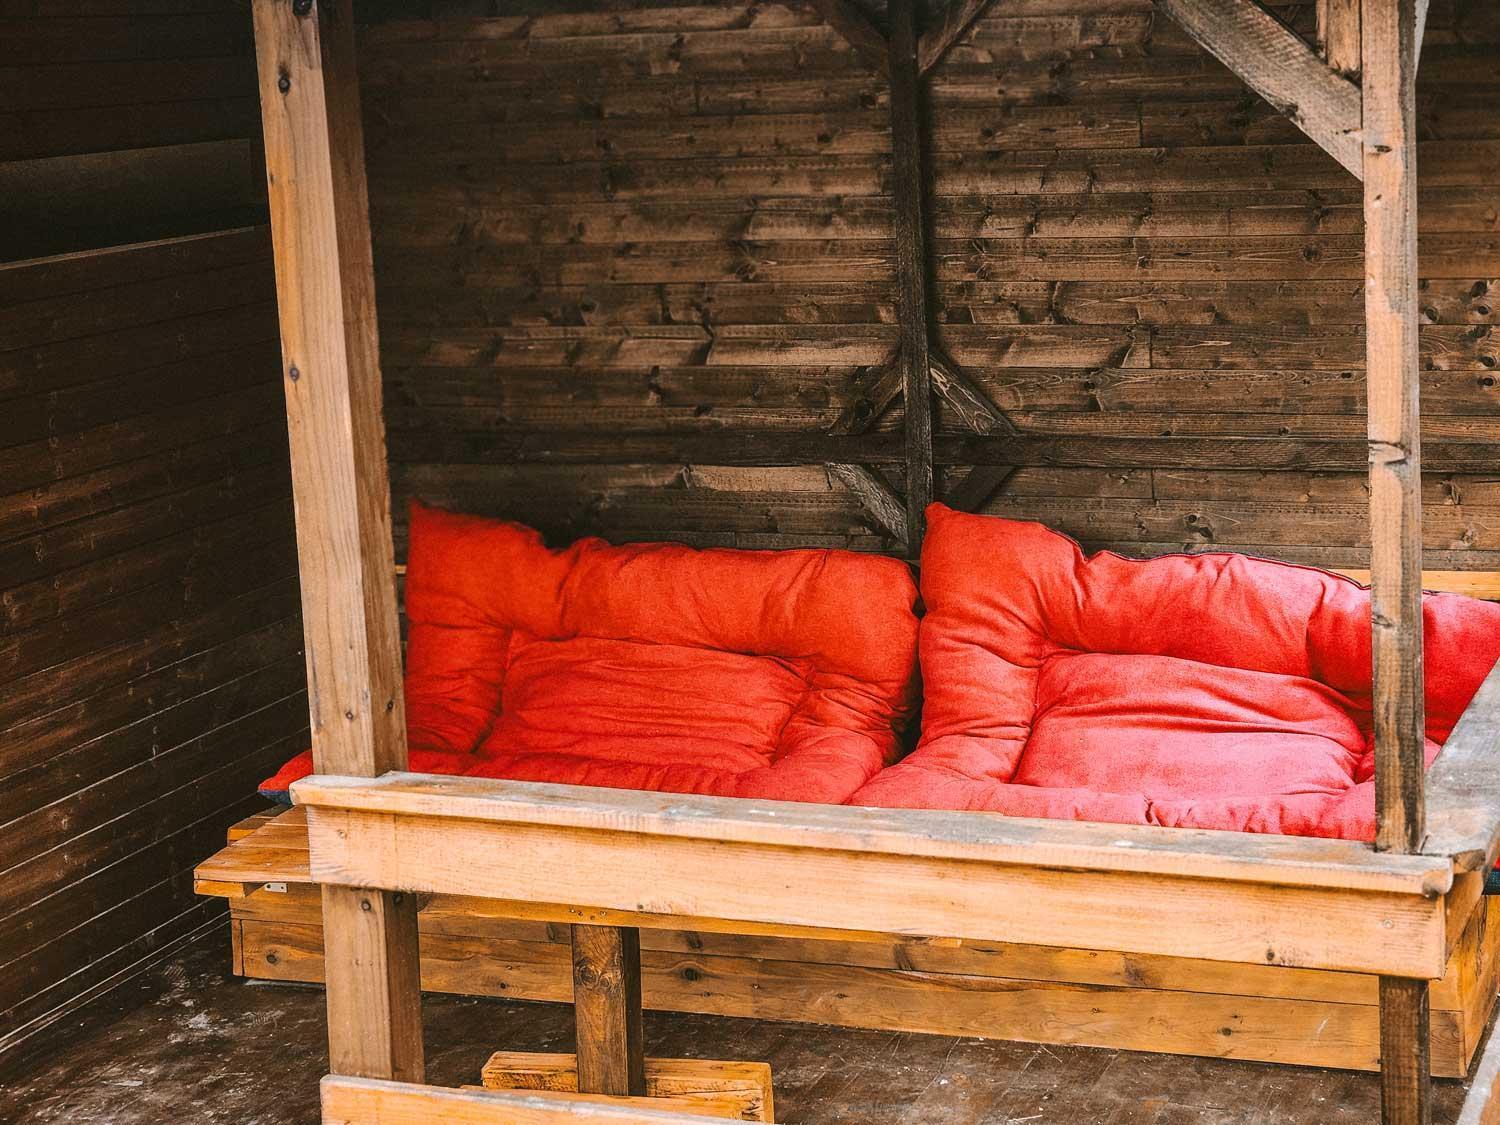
677	222
150	639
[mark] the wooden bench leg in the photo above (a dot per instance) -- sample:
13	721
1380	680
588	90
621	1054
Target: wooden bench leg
607	1010
1405	1069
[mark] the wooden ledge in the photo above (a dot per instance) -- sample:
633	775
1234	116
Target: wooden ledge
984	837
714	1088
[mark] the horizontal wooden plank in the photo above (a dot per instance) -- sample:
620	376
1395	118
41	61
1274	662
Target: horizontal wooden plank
369	1101
936	835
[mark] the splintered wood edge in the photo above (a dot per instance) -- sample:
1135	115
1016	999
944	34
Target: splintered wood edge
974	836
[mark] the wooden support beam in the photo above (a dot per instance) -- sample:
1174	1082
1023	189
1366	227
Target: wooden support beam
966	399
1278	66
911	266
720	1088
1388	30
881	387
326	298
1390	155
845	17
1405	1068
607	1010
1338	35
980	484
874	495
958	16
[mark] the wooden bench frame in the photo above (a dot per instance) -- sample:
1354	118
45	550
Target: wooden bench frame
1236	898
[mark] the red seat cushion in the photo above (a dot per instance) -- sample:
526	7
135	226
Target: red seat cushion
780	674
1205	691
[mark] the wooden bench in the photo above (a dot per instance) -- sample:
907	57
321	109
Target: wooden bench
1268	1013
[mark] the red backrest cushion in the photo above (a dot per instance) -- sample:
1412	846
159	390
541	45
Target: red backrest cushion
656	665
1194	684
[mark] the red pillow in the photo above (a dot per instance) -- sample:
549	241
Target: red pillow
774	674
1205	691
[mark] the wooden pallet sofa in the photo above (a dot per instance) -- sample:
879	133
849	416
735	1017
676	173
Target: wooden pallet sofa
382	842
519	667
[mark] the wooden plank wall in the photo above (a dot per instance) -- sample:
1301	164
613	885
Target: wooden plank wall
150	668
618	230
125	120
150	635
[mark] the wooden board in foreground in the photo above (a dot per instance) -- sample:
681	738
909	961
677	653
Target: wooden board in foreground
366	1101
739	1090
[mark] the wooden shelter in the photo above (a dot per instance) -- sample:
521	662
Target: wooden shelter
613	863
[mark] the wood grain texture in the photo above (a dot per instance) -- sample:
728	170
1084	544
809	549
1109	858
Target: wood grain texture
720	1088
1338	35
1405	1079
1394	420
325	287
357	1101
607	1010
1280	67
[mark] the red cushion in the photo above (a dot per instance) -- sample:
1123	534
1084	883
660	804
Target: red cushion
1205	691
781	674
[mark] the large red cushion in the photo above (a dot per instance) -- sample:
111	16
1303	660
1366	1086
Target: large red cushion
780	675
1205	691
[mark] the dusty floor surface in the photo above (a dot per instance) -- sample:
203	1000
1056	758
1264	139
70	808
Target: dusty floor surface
187	1042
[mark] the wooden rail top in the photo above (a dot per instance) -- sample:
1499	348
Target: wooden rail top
973	836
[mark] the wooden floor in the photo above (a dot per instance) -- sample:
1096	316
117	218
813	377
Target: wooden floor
189	1042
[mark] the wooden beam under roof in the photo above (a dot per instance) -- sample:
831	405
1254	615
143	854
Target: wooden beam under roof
1280	67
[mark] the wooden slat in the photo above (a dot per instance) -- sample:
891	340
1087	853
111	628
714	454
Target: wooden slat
740	1090
908	190
357	1101
1482	1105
1264	899
1463	789
1280	67
325	287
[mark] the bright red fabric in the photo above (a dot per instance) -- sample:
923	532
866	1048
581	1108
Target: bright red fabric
782	675
1204	691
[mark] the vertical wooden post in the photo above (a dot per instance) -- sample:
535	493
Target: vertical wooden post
326	299
607	1010
1388	31
911	266
1338	35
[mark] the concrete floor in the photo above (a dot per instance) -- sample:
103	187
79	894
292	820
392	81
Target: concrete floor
187	1042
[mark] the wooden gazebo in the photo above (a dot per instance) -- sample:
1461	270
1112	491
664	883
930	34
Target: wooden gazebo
379	838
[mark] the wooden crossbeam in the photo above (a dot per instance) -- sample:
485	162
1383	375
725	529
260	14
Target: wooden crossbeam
884	505
881	387
938	40
1280	67
845	17
978	486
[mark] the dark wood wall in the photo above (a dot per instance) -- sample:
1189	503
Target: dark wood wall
628	248
150	638
125	120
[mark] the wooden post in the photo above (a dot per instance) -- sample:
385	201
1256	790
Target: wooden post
911	267
1388	30
607	1010
326	298
1338	35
